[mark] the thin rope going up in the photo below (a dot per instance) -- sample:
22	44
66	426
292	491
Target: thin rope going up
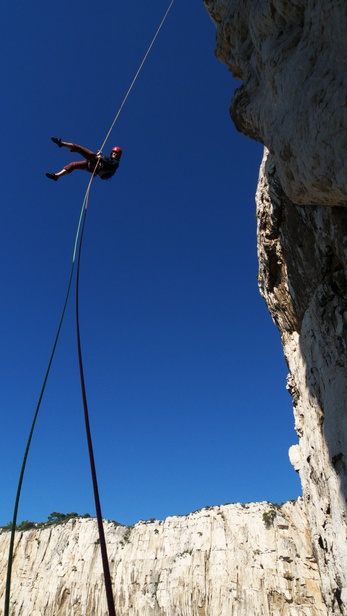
78	238
137	73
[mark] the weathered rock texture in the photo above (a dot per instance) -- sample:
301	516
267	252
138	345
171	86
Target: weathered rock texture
235	560
292	58
302	256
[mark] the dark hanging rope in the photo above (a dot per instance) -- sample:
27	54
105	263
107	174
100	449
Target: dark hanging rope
105	563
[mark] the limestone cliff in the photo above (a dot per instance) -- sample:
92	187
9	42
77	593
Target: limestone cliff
292	59
235	560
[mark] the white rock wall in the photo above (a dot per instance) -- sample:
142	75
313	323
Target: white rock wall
220	561
302	275
291	57
277	48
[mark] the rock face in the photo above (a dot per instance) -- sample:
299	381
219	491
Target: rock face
292	56
235	560
302	256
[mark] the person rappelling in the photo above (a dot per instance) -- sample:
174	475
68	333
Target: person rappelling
103	166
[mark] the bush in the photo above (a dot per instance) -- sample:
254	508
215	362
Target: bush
268	517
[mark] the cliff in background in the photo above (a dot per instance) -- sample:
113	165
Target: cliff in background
292	59
235	560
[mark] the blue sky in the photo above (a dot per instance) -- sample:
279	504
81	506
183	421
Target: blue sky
184	368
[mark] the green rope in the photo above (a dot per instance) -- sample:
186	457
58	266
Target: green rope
20	482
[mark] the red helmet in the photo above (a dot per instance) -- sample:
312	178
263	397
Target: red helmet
118	150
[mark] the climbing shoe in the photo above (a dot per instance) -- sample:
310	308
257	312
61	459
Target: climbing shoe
52	176
57	141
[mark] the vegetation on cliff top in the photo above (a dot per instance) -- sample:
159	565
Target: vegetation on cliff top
54	518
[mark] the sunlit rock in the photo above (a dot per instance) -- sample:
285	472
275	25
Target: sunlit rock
244	560
291	57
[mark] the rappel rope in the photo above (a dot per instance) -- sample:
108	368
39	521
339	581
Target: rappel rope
77	244
137	74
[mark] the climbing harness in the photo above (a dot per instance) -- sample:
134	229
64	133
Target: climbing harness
77	244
